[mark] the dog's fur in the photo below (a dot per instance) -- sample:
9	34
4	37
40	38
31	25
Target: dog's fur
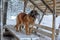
26	19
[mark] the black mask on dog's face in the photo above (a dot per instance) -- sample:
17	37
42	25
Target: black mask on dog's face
34	13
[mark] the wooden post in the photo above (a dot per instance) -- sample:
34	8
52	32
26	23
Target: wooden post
3	15
5	11
54	16
25	4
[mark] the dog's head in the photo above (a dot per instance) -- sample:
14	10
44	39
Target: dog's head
34	13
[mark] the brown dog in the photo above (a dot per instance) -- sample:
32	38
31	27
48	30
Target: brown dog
26	19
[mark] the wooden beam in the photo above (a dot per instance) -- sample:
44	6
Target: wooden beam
53	22
49	3
56	11
45	9
58	14
41	18
47	6
42	15
58	5
42	32
43	27
58	8
42	6
49	13
5	12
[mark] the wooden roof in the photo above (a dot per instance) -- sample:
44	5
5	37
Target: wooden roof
43	7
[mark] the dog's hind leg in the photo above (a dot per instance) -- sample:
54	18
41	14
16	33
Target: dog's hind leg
16	26
20	27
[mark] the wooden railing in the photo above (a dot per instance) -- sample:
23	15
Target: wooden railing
39	30
44	32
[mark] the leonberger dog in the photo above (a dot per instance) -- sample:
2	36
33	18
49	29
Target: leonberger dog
26	19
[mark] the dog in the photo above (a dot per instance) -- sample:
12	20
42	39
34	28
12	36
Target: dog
26	19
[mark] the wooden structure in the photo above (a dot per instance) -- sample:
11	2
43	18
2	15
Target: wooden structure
48	3
21	35
46	7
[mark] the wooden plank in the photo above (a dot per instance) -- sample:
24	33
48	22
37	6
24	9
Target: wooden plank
49	3
9	30
50	6
43	27
43	33
54	19
5	6
46	5
57	11
20	35
58	8
12	30
41	18
41	5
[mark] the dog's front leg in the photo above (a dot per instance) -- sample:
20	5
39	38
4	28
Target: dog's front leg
27	29
16	27
31	28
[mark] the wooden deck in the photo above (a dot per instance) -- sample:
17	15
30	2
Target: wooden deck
21	35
